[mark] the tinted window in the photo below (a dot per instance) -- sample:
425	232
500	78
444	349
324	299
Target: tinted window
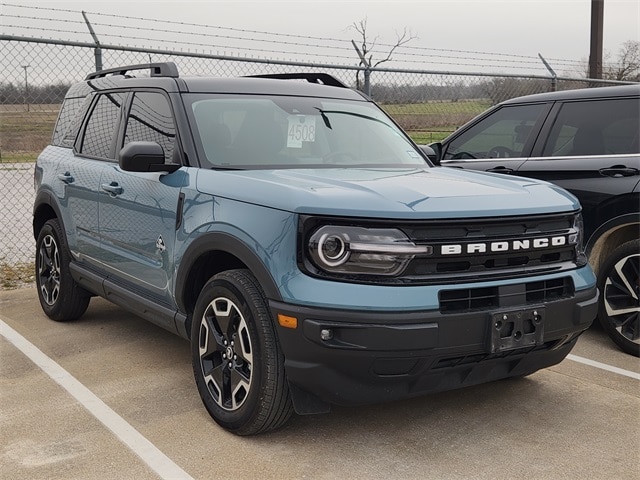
602	127
66	117
504	133
150	119
101	127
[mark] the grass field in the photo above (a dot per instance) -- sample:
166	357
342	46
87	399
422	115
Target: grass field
433	121
23	134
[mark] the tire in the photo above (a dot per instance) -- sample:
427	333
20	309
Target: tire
61	298
619	309
237	361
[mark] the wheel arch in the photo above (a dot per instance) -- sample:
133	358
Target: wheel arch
611	234
210	254
44	209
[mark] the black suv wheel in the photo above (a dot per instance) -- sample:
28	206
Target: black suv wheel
237	362
61	298
619	283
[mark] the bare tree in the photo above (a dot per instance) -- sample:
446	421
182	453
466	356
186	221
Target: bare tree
628	64
365	51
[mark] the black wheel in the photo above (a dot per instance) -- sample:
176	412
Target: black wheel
60	296
237	361
619	284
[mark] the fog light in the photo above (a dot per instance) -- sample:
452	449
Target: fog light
326	334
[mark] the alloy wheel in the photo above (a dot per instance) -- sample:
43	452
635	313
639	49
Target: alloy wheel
226	354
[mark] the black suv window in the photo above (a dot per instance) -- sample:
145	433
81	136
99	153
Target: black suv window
503	133
98	135
602	127
150	119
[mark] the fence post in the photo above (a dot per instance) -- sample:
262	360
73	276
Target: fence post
97	51
554	77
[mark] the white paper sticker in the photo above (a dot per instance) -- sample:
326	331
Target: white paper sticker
302	128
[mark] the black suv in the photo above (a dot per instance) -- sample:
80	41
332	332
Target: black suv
585	141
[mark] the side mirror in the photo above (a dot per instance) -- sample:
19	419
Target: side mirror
144	157
433	151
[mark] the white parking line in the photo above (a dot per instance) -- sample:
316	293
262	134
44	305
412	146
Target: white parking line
147	451
604	366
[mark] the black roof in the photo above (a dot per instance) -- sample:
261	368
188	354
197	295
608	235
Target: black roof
165	75
580	93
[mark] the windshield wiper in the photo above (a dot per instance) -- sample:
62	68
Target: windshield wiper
325	119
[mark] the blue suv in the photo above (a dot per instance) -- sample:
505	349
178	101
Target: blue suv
302	242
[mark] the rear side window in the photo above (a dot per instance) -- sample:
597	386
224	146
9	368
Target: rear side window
150	119
504	133
68	112
601	127
101	126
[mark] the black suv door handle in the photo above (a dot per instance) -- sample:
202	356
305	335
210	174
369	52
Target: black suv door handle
619	171
113	188
66	177
501	169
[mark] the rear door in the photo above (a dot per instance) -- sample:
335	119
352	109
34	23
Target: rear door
79	173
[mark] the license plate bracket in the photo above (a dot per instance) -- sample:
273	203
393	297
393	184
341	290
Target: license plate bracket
511	329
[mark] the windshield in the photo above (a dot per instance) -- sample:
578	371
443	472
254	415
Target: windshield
260	131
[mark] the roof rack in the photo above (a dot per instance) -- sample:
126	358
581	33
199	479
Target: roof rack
165	69
319	78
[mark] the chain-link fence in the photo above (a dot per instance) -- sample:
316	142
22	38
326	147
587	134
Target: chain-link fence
36	74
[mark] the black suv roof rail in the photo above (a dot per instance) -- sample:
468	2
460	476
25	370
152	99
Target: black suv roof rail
320	78
165	69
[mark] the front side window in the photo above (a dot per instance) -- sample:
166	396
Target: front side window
289	132
601	127
151	120
101	126
503	134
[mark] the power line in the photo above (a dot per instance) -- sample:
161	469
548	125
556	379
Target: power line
414	54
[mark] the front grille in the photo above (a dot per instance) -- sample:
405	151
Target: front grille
475	249
473	299
468	250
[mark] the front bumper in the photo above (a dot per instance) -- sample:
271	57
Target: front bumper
348	357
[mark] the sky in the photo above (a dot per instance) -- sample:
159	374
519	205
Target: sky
557	29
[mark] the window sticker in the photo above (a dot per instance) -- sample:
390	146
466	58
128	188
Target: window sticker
302	128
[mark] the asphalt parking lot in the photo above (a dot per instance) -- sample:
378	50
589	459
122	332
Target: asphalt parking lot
112	396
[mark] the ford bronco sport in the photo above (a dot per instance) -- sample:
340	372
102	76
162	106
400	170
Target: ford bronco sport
302	242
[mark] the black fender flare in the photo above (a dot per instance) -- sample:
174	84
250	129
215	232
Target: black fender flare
224	243
45	198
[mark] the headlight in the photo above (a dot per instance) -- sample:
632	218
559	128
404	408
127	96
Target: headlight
359	250
577	237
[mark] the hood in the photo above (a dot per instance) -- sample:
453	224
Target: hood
417	193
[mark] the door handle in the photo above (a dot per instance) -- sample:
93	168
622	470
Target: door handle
112	188
501	169
619	171
66	177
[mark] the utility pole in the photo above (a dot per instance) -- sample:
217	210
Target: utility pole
26	86
595	53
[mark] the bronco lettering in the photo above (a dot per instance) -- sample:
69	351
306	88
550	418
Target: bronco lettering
505	246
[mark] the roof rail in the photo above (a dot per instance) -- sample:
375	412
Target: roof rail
165	69
320	78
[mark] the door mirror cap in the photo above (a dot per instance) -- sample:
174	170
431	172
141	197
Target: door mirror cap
433	151
144	157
